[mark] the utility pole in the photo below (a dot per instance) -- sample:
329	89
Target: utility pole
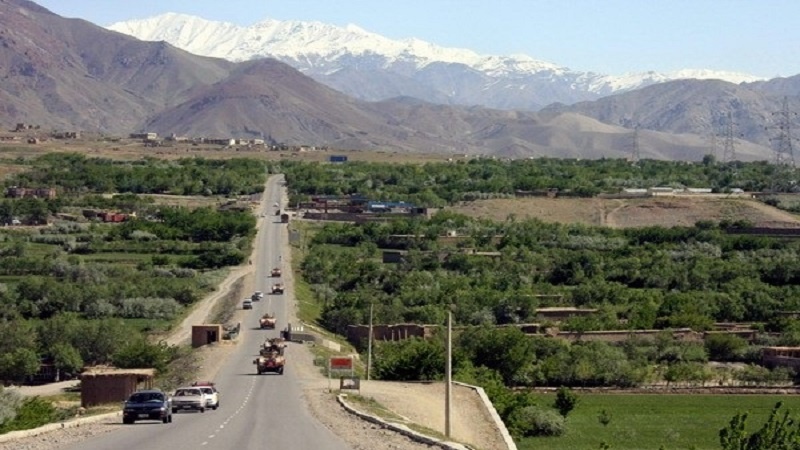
448	374
369	345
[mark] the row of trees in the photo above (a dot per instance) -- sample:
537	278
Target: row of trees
521	360
68	343
439	184
74	174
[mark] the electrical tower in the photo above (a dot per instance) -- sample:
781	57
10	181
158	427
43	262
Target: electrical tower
784	153
728	147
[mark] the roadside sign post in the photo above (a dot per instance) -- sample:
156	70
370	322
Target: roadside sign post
341	364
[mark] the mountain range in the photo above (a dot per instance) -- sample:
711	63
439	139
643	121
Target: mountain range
69	74
372	67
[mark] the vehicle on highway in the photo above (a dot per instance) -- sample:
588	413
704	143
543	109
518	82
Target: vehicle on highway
189	399
277	288
276	272
270	359
150	404
212	395
257	295
247	304
268	320
275	205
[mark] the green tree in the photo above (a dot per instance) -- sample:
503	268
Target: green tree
412	359
19	364
141	354
779	432
507	350
66	358
566	401
724	347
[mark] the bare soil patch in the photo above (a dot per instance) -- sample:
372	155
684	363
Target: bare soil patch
424	404
629	213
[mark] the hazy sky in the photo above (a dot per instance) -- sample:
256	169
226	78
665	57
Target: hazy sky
759	37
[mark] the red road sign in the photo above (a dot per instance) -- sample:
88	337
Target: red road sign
341	363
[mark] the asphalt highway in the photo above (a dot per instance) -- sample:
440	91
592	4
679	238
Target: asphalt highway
256	411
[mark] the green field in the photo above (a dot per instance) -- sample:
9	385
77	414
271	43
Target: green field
118	258
642	422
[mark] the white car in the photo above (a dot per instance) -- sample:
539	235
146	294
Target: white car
189	398
211	393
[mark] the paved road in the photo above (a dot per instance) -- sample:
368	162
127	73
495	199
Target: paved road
256	411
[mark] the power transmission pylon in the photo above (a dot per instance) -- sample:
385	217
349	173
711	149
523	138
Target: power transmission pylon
784	152
728	147
783	178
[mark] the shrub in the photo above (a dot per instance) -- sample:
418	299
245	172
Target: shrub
32	413
535	421
139	235
183	273
566	401
9	402
148	308
604	418
98	308
162	273
724	347
52	239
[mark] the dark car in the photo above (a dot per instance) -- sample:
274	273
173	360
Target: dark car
147	405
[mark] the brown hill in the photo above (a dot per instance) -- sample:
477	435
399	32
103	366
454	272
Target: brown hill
70	74
698	107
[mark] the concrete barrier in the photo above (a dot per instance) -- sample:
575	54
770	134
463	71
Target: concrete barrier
498	422
12	435
400	428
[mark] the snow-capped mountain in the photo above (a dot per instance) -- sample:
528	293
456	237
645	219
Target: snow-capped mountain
372	67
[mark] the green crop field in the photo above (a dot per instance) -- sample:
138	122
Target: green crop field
118	258
642	422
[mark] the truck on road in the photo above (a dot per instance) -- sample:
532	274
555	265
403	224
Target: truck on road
268	320
271	359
